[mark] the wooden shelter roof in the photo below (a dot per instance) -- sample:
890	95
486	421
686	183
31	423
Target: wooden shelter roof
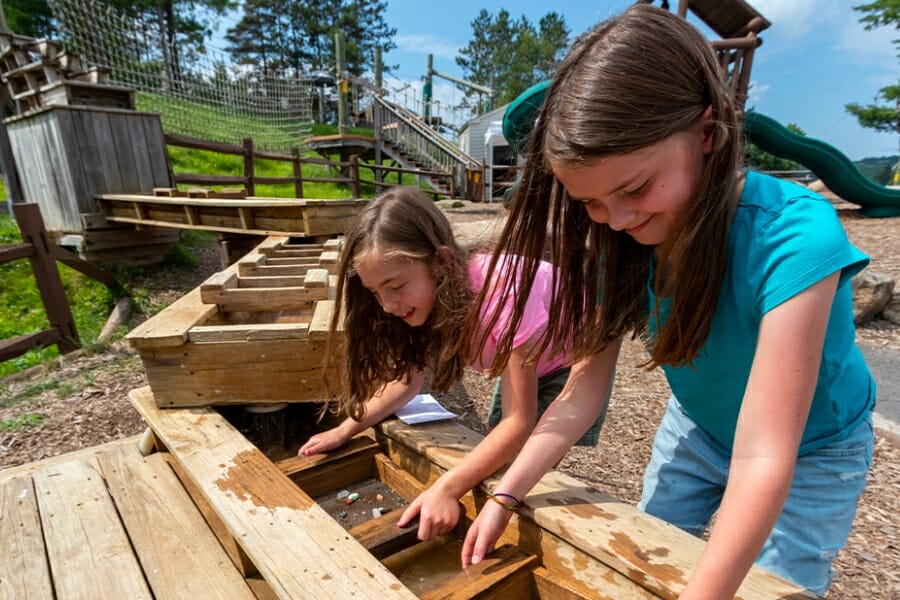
729	18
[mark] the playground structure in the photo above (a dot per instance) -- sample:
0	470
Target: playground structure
739	25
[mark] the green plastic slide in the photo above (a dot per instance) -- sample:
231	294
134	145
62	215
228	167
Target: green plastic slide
830	164
833	167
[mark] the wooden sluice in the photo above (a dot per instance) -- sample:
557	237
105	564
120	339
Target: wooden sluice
250	215
199	508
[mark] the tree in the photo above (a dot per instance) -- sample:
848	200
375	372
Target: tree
30	17
883	116
299	34
510	56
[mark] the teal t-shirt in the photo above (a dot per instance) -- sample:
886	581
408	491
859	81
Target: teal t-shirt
784	238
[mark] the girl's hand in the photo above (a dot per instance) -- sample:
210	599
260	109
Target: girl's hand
438	513
484	533
323	442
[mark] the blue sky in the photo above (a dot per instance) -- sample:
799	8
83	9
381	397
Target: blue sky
815	58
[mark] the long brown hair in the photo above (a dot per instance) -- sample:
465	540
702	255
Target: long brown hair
379	348
628	83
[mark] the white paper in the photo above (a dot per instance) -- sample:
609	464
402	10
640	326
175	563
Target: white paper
422	409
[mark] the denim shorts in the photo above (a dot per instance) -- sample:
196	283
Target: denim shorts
688	470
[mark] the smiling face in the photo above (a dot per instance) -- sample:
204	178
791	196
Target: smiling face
643	193
404	287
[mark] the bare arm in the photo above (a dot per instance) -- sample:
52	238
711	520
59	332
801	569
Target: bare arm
578	405
438	506
386	402
770	425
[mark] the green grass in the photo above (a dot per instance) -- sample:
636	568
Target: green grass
21	422
22	310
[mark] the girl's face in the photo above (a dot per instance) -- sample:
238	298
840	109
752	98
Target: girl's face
644	192
402	286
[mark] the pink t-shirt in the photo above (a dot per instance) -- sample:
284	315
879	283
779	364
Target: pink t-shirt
533	322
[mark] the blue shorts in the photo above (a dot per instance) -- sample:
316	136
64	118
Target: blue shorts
686	478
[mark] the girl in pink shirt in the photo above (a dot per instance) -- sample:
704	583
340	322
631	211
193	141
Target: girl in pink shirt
405	288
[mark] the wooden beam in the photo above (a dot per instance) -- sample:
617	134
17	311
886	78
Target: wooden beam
178	552
298	548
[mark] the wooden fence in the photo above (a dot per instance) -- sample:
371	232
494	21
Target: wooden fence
350	169
37	247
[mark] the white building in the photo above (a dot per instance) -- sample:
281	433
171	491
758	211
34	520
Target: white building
482	139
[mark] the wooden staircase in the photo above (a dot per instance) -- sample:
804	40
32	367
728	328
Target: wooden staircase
407	139
38	74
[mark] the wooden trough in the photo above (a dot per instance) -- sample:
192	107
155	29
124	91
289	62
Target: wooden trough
209	515
253	333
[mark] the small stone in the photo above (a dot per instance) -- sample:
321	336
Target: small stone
342	494
353	497
379	497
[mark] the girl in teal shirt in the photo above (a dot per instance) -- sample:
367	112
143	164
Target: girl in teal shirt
739	283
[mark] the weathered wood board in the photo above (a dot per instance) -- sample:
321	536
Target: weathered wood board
244	339
69	154
252	215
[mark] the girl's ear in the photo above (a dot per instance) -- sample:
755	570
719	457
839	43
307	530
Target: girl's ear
707	127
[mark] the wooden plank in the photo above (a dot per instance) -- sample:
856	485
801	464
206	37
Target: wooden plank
504	573
89	552
264	270
121	145
222	280
549	587
19	345
179	554
24	572
11	252
263	299
565	518
100	124
248	332
272	281
316	278
83	454
230	545
171	330
319	474
382	537
155	149
320	325
280	527
222	373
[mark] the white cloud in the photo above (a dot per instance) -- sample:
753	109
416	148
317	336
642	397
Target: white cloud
796	18
757	91
423	43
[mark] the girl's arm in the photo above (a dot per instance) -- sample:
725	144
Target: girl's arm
438	506
577	406
392	397
769	429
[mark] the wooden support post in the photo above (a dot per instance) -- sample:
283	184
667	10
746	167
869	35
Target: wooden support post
298	172
249	177
46	274
354	175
